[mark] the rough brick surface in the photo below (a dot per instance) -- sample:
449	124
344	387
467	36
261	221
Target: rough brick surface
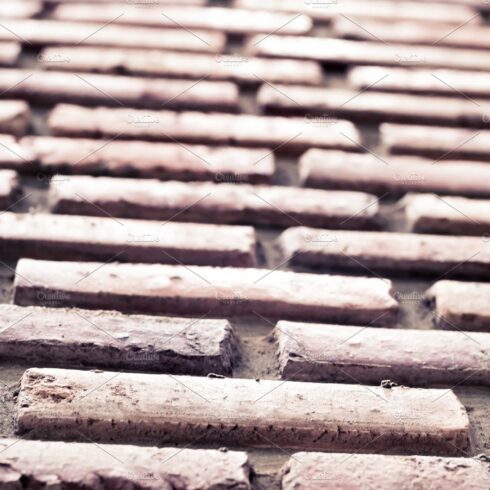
51	32
37	464
238	68
89	88
393	174
161	408
157	289
284	134
15	117
215	203
46	236
9	188
321	471
209	18
109	340
335	353
150	160
374	106
438	143
428	213
461	305
389	252
14	156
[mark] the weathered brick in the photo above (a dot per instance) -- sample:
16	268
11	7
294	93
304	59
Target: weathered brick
47	236
325	11
150	160
50	32
392	174
374	106
214	203
157	289
461	305
335	353
280	133
208	18
322	471
9	188
388	252
234	67
15	117
20	10
89	88
438	143
37	464
346	52
428	213
14	156
407	32
124	407
425	82
9	53
109	340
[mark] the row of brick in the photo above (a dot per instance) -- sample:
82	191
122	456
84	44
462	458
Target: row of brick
86	465
305	351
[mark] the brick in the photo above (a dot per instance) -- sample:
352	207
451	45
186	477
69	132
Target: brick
58	336
208	18
392	174
280	133
437	143
468	84
15	117
46	236
238	412
461	305
346	52
20	10
50	32
388	252
428	213
335	353
14	156
150	160
234	67
86	465
157	289
315	471
89	88
407	32
9	53
9	188
374	106
144	3
215	203
325	11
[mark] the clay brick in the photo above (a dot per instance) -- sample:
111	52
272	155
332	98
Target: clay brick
374	106
157	289
150	160
438	143
322	471
325	11
407	32
89	88
335	353
468	84
461	305
234	67
9	188
20	10
208	18
109	340
238	412
50	32
85	465
280	133
428	213
15	117
392	174
14	156
388	252
214	203
9	53
346	52
46	236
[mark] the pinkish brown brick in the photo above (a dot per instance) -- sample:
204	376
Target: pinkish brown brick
20	10
14	156
126	407
15	117
9	188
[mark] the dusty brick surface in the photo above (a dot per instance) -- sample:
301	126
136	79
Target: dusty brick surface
161	408
15	117
157	289
14	156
